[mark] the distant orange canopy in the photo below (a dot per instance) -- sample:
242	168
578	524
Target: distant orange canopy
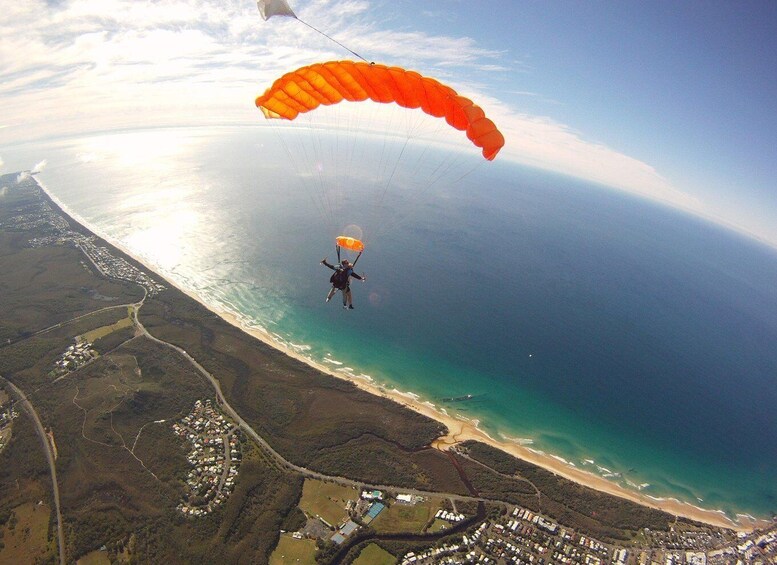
349	243
329	83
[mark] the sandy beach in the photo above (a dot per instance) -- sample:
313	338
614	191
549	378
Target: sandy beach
460	429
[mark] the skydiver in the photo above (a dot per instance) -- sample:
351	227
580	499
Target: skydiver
341	280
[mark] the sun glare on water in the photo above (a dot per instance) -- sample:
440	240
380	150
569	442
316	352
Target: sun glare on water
148	149
164	241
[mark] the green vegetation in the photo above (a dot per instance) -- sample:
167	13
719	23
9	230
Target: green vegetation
113	340
95	558
60	285
312	419
24	538
294	520
98	333
24	473
39	351
373	554
107	488
291	550
438	526
602	515
326	500
406	517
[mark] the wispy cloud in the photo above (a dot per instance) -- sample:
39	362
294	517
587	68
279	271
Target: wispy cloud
39	167
543	143
98	65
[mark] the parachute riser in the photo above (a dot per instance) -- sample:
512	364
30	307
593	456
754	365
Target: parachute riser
339	262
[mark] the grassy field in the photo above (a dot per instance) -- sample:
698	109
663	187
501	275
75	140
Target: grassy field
97	333
326	500
95	558
25	534
374	555
406	517
290	550
438	526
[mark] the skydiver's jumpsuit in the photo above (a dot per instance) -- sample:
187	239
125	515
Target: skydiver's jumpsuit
347	298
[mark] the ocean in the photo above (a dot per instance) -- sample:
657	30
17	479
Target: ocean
626	338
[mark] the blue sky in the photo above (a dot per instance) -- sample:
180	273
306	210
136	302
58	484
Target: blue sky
669	100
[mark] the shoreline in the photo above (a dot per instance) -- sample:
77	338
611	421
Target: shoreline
459	429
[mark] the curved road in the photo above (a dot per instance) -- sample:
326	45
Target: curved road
222	401
249	431
49	456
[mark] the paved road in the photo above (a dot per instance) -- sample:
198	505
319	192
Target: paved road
227	461
49	456
222	401
63	323
250	432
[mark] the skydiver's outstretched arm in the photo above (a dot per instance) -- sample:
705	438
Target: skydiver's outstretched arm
362	277
325	264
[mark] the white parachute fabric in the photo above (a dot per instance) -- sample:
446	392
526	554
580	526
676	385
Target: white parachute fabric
270	8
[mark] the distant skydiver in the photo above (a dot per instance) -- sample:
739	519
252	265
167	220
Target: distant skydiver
341	280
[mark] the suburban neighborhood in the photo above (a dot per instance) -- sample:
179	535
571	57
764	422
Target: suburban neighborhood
214	455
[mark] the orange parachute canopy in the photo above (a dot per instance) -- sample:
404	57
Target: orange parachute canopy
349	243
329	83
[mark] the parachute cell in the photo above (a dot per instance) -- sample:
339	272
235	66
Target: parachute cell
349	243
309	87
270	8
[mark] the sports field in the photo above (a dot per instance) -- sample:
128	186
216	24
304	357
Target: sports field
291	550
94	558
438	526
374	555
406	517
326	500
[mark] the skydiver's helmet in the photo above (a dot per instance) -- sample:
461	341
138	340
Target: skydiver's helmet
346	263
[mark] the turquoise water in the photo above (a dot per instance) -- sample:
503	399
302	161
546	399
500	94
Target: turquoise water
631	340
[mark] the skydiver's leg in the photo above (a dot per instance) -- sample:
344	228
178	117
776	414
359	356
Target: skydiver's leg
331	294
348	301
